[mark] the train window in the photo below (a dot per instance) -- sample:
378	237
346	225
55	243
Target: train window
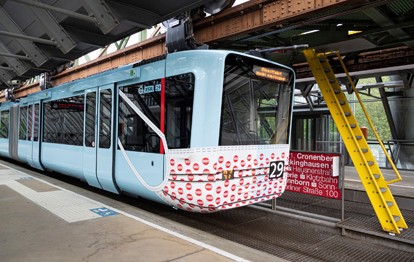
23	123
4	131
90	119
36	123
136	135
105	118
256	102
29	122
63	121
179	109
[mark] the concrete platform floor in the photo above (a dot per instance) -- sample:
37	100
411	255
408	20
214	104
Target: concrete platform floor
40	221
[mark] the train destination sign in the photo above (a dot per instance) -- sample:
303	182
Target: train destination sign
314	174
279	75
67	105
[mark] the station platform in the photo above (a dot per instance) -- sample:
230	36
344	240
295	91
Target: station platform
41	221
49	219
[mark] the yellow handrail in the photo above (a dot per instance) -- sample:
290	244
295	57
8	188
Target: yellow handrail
369	121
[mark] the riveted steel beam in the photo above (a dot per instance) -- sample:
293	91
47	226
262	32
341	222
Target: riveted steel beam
274	16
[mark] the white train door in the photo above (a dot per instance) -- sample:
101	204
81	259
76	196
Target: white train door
29	152
98	144
33	131
36	136
140	121
89	146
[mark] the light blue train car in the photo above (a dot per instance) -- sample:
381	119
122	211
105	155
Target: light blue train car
199	130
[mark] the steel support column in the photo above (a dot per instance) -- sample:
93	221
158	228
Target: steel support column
387	110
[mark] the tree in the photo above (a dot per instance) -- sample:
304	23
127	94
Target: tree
375	108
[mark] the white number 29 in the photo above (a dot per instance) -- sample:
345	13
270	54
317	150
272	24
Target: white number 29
276	169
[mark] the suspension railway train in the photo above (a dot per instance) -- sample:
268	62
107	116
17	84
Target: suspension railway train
199	130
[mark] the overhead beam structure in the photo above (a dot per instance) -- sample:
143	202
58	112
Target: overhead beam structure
42	35
52	27
29	48
259	23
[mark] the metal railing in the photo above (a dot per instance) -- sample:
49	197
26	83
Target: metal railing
392	146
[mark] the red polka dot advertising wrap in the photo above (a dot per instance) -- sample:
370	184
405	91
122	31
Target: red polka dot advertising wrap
218	178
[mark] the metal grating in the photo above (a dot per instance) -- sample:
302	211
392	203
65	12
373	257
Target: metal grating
279	236
317	205
371	224
287	238
359	216
336	249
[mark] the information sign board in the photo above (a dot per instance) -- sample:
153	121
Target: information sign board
314	174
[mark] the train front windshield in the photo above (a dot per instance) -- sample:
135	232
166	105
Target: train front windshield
256	107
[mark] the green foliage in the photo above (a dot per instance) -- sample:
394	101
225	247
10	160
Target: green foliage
375	110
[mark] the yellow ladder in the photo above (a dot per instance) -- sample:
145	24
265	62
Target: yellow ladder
375	185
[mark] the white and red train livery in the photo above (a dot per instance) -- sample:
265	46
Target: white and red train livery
217	178
201	130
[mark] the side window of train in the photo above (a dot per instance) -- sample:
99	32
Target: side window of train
105	118
136	135
179	110
63	121
90	119
29	122
36	123
133	132
23	123
4	132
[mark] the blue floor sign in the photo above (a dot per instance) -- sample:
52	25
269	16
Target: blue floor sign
104	212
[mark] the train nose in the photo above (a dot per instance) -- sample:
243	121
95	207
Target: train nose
213	179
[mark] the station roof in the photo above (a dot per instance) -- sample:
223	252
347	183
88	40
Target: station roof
38	36
356	28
